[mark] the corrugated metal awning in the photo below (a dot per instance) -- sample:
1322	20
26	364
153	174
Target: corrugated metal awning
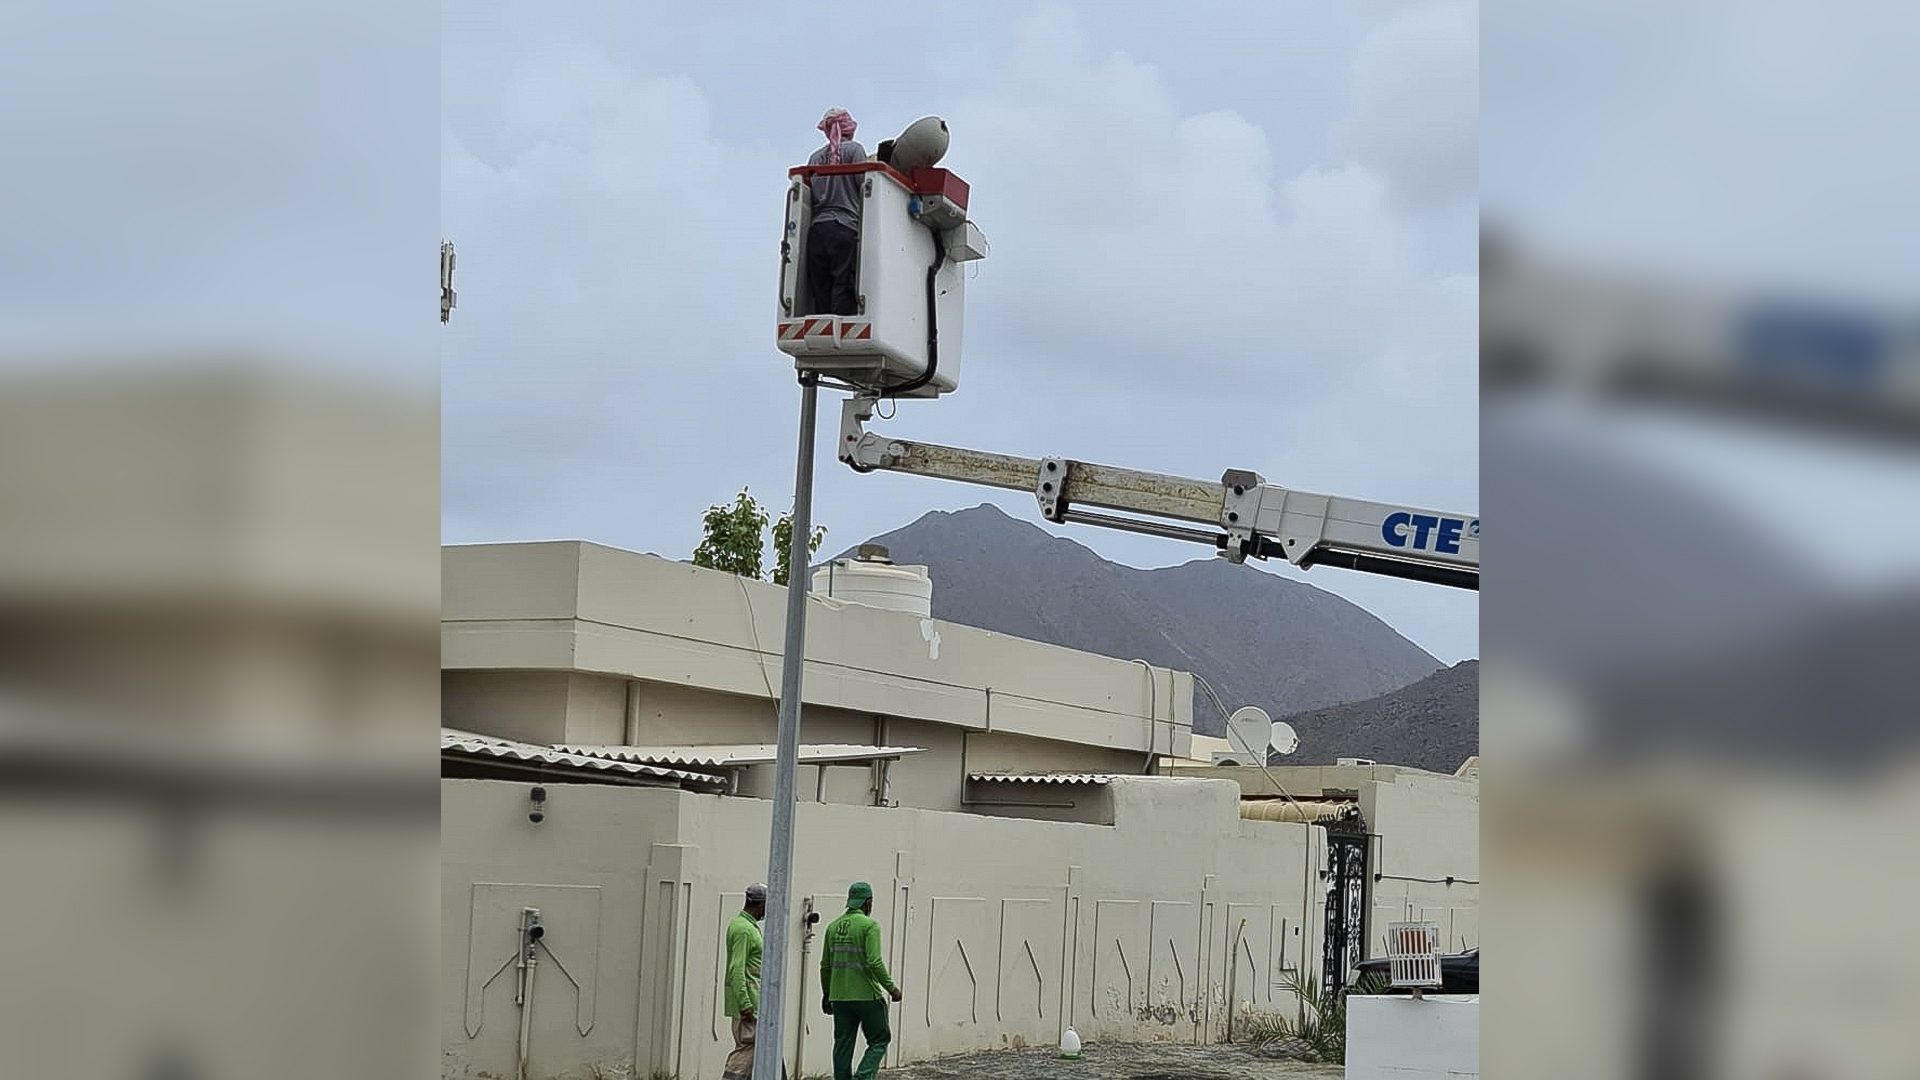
1097	779
742	755
467	744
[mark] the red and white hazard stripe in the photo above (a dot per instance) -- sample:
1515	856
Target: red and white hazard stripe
801	329
856	331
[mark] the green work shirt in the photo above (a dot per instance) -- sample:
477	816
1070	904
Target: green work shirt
743	964
852	966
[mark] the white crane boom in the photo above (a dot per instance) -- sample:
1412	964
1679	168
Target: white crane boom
1242	515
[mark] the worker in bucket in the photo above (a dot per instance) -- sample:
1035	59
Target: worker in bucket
833	240
854	985
743	981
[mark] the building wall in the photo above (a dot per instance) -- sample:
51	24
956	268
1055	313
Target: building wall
991	751
1203	748
1426	827
930	780
1090	804
598	611
527	705
547	707
1790	960
1000	932
586	868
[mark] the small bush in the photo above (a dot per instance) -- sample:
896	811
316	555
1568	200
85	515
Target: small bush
1317	1031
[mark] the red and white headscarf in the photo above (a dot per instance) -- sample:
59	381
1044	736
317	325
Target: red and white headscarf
837	124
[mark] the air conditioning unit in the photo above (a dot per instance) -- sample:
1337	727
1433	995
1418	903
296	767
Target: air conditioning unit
1354	761
1225	757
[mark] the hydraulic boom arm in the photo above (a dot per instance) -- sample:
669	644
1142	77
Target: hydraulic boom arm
1241	515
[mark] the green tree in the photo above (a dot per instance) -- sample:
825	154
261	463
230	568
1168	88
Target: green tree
783	546
735	539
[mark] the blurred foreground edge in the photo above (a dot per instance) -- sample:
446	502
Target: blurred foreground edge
1700	781
218	695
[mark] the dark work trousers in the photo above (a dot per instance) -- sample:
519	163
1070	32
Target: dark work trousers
867	1018
832	249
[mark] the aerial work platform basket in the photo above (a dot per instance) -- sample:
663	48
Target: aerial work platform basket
904	336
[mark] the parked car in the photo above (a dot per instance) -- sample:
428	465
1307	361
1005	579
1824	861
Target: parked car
1459	974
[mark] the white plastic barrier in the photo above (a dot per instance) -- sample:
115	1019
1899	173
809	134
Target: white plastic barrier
1400	1037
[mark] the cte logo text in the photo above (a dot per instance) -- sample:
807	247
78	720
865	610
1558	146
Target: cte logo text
1425	532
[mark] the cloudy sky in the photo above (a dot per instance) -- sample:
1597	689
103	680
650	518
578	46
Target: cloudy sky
1224	235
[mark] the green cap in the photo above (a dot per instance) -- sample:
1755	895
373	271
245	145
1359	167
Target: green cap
858	893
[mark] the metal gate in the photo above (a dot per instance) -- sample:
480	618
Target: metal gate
1346	908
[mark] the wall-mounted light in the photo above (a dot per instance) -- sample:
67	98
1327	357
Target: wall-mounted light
539	811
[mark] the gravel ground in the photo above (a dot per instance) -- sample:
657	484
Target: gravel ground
1116	1061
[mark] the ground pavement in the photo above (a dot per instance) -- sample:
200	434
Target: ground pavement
1116	1061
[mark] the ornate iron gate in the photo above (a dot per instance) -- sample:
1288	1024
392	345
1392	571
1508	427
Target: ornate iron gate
1346	907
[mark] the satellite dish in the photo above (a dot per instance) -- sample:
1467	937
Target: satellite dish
1283	740
1248	730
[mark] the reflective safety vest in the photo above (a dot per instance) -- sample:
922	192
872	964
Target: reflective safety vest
853	966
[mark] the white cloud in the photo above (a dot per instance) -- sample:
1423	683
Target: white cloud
1128	234
1762	143
1416	112
602	314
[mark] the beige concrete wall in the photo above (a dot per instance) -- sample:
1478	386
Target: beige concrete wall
527	705
540	707
1203	748
571	642
670	714
1090	804
999	931
586	868
1806	969
1313	781
930	780
221	487
581	607
933	780
547	707
596	709
1425	827
995	752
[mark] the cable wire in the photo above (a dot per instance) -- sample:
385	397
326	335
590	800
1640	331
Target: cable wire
1259	759
759	654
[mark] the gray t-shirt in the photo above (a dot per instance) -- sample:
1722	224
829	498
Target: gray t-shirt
837	198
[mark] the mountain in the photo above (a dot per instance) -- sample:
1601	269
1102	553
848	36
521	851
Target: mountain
1257	638
1834	692
1660	569
1433	724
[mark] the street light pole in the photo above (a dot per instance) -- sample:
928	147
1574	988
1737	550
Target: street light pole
769	1036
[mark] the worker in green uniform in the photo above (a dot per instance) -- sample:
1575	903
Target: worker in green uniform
743	982
853	979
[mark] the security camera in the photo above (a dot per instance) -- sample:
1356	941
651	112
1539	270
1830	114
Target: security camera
539	811
812	917
536	931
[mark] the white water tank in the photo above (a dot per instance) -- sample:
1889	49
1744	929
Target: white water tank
873	580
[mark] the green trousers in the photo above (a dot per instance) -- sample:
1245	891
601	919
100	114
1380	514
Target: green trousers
867	1018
